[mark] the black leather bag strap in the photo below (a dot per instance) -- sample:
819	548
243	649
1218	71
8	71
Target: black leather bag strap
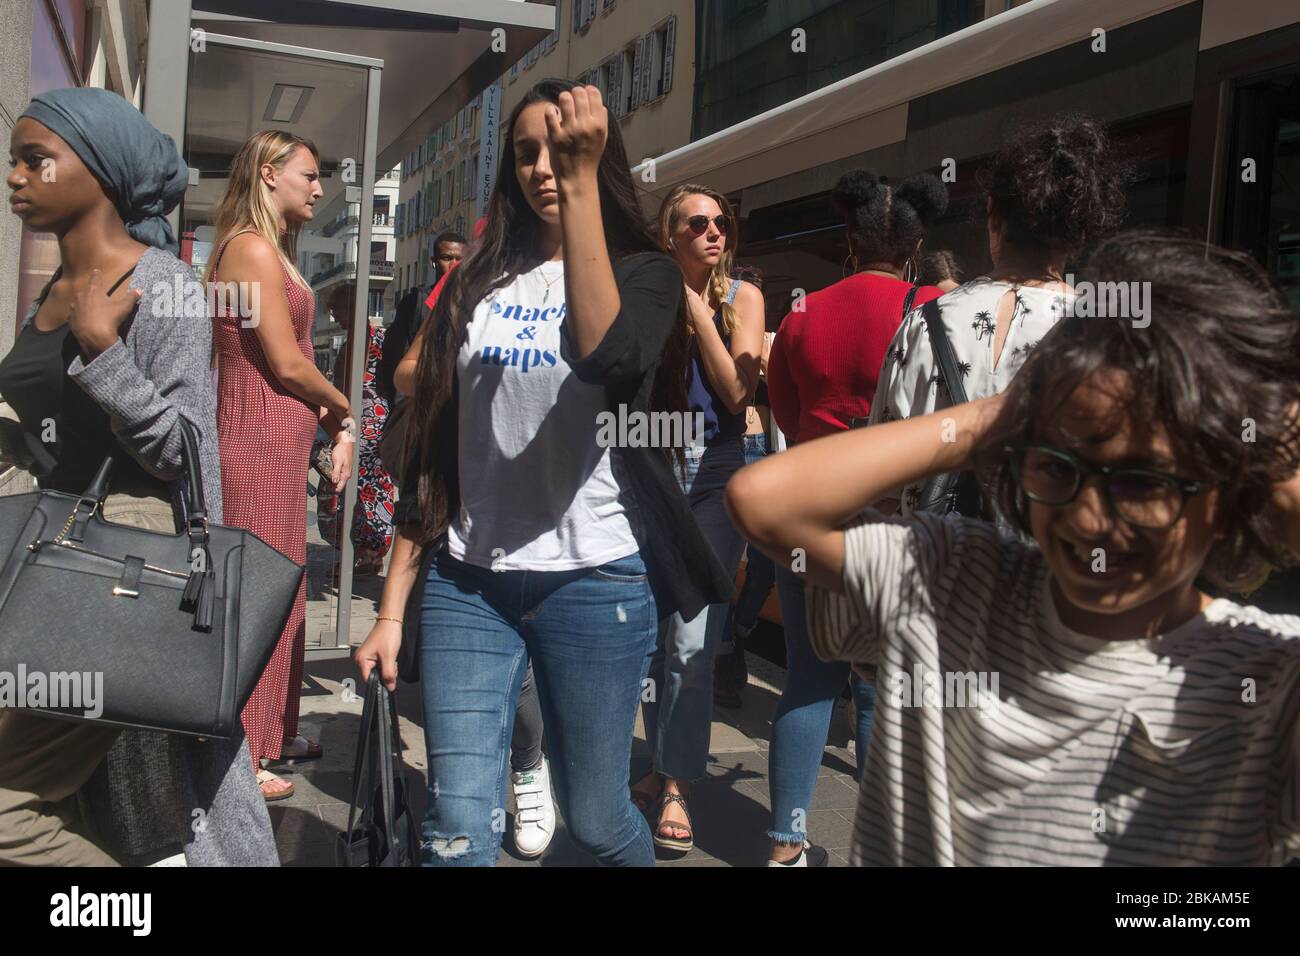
940	491
368	710
387	708
908	300
943	353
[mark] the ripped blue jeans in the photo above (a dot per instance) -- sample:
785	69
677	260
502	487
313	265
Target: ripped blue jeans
589	634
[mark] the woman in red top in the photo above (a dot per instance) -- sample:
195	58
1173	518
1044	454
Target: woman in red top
821	378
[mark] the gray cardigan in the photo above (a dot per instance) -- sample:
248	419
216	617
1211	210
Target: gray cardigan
162	369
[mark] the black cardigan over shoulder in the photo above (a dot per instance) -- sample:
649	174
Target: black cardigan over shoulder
684	574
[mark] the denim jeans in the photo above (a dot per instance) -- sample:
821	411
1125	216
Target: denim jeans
678	709
864	701
760	572
589	634
803	717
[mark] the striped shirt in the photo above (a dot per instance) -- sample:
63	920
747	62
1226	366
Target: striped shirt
1055	747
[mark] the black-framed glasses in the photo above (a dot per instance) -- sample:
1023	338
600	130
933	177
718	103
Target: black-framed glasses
1142	497
700	223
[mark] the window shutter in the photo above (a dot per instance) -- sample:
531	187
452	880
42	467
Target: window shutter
638	65
670	38
648	68
615	99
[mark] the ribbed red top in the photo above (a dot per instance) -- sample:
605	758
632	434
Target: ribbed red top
825	362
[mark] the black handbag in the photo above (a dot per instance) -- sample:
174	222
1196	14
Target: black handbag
380	831
177	627
953	492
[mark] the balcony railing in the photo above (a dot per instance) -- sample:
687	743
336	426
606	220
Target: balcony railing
338	224
380	268
380	219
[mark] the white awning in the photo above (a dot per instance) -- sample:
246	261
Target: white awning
869	109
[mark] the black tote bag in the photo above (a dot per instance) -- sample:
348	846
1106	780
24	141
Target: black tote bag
380	830
176	627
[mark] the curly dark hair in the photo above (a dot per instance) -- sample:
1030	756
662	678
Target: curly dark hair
1221	347
938	266
1058	185
885	222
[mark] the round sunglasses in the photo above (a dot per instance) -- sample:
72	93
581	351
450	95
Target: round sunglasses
698	224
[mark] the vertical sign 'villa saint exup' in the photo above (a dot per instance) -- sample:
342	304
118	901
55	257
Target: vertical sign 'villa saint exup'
488	122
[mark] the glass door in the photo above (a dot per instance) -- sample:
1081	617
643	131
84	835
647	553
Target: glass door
237	87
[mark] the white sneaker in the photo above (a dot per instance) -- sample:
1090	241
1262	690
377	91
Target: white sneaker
534	810
810	855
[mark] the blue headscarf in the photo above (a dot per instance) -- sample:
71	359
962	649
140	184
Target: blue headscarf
140	164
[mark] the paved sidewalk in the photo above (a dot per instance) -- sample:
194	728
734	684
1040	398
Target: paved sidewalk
729	808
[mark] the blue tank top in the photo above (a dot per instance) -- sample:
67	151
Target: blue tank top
719	422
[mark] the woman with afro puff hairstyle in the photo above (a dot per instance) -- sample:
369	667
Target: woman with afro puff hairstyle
821	378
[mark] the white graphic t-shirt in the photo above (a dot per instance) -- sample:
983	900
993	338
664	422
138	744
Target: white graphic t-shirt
537	492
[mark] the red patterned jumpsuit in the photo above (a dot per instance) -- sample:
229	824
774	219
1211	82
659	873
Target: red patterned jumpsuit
266	434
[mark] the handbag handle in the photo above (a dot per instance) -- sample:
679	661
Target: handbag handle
387	707
196	509
363	745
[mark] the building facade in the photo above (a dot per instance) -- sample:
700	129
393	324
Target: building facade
639	53
329	257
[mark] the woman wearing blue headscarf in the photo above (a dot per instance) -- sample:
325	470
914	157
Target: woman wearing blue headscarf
114	351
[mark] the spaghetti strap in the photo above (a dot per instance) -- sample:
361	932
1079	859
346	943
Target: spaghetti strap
221	249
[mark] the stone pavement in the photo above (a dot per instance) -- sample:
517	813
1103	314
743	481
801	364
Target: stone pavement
729	808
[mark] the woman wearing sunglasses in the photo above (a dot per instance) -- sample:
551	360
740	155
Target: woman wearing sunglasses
697	228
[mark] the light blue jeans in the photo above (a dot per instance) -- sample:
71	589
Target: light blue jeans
678	705
588	634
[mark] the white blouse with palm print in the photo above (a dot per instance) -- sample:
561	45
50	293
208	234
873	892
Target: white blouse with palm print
909	377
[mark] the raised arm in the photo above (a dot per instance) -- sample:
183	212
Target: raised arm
577	131
803	497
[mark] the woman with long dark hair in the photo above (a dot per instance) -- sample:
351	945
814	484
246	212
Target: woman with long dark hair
550	533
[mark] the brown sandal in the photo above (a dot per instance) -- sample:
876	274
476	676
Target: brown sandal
661	839
642	800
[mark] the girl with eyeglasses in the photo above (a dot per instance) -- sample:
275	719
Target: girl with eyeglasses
1076	697
697	227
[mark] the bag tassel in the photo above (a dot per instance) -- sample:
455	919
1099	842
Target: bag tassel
198	594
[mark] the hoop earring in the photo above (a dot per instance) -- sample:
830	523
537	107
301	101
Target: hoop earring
909	271
844	270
